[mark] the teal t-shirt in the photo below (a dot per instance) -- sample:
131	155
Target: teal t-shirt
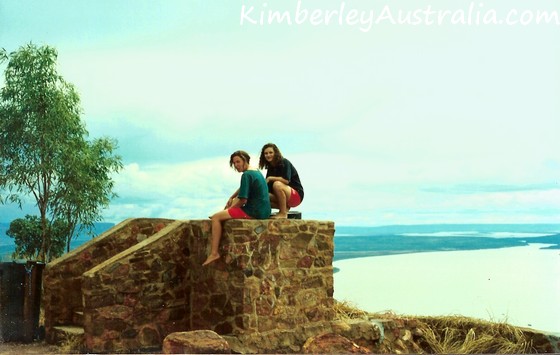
253	187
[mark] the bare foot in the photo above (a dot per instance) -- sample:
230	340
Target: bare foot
211	258
279	216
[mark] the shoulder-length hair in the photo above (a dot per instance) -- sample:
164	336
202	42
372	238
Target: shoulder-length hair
277	156
239	153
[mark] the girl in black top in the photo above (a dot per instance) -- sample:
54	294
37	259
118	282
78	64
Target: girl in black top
284	186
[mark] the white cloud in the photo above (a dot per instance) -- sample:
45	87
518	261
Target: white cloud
338	188
191	190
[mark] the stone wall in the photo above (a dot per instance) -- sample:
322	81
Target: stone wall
274	274
139	295
62	282
274	277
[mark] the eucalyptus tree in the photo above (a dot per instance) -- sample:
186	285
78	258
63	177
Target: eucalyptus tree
44	151
27	234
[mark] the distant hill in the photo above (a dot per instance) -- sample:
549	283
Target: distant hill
434	228
355	242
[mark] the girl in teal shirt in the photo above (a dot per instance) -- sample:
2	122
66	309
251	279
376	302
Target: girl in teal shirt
249	201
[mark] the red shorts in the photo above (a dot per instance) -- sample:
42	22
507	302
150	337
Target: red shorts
238	213
295	199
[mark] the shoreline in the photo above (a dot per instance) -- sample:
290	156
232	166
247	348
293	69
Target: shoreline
515	285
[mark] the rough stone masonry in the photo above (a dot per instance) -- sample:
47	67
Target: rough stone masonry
142	280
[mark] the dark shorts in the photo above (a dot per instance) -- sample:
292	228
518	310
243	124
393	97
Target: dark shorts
238	213
295	199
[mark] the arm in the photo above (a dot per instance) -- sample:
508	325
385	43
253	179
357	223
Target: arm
239	202
277	178
240	197
231	199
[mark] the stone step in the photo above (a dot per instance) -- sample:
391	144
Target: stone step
78	318
67	334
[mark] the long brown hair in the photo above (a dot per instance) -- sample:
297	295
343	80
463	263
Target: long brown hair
277	156
239	153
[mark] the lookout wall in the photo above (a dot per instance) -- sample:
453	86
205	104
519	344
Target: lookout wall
272	287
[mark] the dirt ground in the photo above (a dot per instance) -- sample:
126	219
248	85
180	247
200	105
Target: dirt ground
39	347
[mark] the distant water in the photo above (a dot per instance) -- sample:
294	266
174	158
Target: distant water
7	245
357	242
493	272
518	285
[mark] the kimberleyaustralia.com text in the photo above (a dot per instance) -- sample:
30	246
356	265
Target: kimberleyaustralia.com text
476	14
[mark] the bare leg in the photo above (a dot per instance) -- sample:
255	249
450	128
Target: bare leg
282	193
273	203
273	200
217	220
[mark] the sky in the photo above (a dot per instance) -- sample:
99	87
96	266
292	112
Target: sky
393	112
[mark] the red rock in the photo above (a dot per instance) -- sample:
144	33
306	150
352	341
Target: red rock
195	342
332	344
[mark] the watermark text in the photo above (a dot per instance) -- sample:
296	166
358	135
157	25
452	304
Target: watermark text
475	14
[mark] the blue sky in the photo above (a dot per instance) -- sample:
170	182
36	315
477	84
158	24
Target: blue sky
387	123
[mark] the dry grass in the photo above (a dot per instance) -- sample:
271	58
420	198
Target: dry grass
346	310
463	335
454	334
72	345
